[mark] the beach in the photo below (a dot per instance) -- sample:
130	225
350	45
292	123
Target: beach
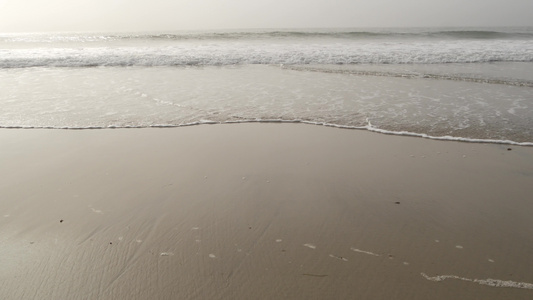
262	211
348	163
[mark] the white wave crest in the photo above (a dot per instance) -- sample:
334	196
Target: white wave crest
289	53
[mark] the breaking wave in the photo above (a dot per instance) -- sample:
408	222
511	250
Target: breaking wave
287	54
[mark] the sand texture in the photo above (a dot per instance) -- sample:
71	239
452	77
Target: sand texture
262	211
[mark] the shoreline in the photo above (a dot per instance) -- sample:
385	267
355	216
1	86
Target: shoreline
261	211
369	128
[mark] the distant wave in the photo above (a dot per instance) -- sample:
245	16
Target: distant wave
477	34
459	34
519	33
257	35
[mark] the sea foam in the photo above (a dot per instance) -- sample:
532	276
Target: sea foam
266	47
488	282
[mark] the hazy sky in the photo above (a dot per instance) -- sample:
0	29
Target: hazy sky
140	15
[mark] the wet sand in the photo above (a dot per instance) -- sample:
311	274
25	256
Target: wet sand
262	211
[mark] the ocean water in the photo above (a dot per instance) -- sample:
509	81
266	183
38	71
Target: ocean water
468	84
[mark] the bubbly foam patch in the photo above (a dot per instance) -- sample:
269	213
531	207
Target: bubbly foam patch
338	257
488	282
97	211
311	246
364	252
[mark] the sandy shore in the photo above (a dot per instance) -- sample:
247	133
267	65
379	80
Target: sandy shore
262	211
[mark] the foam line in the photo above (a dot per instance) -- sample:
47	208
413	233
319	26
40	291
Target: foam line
370	127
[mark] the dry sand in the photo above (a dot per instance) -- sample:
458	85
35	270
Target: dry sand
262	211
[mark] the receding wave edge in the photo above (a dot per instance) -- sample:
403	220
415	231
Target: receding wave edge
368	127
